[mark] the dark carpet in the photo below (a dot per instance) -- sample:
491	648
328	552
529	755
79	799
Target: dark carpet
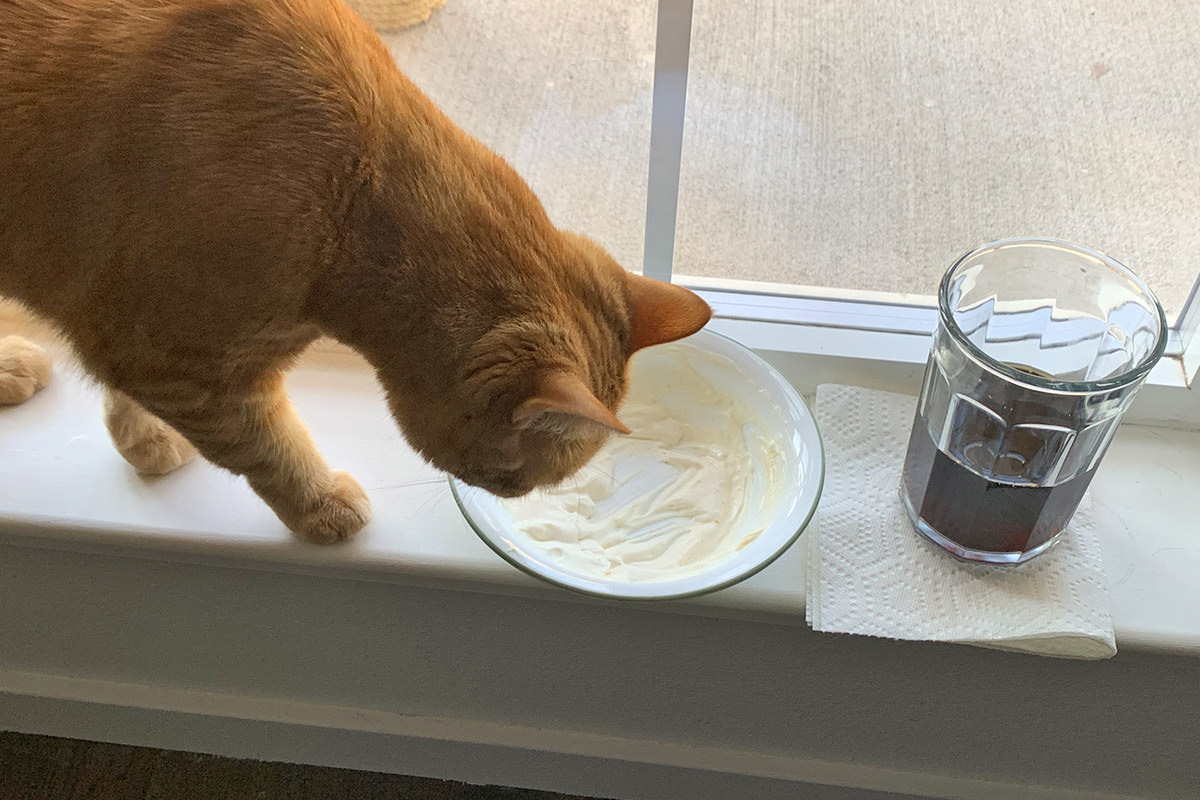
47	768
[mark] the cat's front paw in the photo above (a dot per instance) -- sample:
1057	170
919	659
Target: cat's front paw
150	445
159	452
24	368
342	513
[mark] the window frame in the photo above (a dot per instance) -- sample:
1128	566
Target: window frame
867	326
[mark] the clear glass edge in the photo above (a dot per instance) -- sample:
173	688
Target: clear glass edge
1127	378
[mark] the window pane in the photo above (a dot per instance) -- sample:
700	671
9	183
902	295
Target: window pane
561	90
865	145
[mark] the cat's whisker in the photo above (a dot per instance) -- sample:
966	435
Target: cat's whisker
578	520
427	503
597	471
416	482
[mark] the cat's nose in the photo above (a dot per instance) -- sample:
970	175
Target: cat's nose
508	489
501	485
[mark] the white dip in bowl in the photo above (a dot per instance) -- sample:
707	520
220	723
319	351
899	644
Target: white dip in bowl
722	472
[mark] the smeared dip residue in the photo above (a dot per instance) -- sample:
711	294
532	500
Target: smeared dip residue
696	481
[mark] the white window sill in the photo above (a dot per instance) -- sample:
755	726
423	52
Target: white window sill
179	613
68	488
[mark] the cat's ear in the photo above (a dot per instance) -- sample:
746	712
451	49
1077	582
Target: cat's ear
663	312
564	393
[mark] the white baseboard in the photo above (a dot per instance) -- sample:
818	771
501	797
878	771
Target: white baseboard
589	699
476	751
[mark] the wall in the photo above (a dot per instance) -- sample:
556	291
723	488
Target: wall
591	696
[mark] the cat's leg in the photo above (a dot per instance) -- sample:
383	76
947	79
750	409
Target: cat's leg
257	434
146	442
24	368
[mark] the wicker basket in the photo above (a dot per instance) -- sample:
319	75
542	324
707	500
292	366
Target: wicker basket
394	15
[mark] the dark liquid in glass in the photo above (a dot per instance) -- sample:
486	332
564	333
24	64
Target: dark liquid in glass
981	514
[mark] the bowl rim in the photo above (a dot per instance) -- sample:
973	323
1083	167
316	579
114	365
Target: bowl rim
752	569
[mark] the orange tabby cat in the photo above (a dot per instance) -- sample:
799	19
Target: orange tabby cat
193	191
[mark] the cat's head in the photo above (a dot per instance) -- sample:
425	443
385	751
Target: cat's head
539	392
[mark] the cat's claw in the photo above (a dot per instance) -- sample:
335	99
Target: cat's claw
342	513
24	369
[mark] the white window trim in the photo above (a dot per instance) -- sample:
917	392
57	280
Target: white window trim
892	333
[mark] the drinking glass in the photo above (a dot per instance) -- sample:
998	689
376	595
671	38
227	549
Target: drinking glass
1040	348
